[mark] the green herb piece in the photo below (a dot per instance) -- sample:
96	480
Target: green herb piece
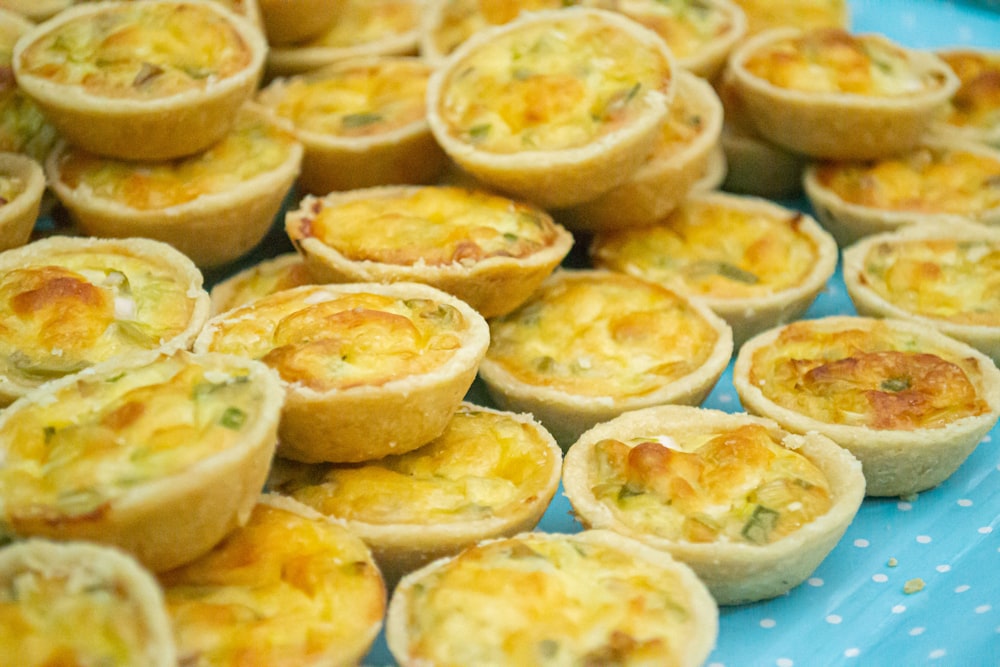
758	527
895	384
353	120
479	132
233	418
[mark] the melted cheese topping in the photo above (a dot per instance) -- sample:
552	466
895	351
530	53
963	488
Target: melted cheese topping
256	146
804	14
605	335
713	250
687	26
926	180
328	341
734	485
946	279
434	226
976	103
460	19
484	465
551	85
874	377
281	591
73	617
357	100
140	50
84	307
835	61
535	601
77	451
361	22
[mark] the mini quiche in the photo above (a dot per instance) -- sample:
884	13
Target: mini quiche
591	344
288	589
591	598
69	302
685	146
291	21
214	206
751	508
802	14
368	369
123	79
700	33
363	122
943	182
944	277
261	279
80	604
490	474
361	28
555	107
23	128
836	95
755	263
488	250
973	113
908	401
22	184
159	454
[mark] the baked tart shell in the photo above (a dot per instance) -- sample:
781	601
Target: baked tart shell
18	216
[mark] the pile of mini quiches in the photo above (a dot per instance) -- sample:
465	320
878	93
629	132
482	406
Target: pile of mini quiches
414	381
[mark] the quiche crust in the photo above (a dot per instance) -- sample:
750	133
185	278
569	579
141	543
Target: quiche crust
194	436
261	279
592	344
875	97
973	112
555	107
291	21
214	206
488	250
368	369
289	588
946	277
594	597
22	184
489	474
162	95
908	401
757	488
86	603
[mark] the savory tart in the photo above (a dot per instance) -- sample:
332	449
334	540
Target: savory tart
753	262
261	279
22	184
591	344
941	182
291	21
160	454
753	509
80	604
700	33
687	140
591	598
941	276
556	107
836	95
214	206
23	128
368	369
69	302
361	28
490	474
122	79
908	401
488	250
973	113
802	14
290	588
363	122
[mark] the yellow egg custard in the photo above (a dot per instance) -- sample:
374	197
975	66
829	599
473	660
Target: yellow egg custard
290	588
751	508
592	598
908	401
803	14
261	279
70	302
